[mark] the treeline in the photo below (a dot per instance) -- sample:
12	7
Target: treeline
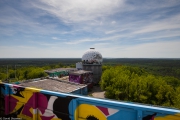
162	67
137	85
17	73
37	61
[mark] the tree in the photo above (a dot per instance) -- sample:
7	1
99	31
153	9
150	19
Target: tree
3	76
135	84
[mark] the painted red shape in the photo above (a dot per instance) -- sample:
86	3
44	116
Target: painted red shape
13	103
104	110
42	104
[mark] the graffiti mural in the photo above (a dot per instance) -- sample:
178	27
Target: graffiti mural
37	104
75	78
92	112
47	107
81	78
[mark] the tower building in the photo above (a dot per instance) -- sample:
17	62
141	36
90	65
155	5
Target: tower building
92	61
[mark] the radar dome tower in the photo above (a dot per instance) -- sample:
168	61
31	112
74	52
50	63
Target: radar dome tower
92	61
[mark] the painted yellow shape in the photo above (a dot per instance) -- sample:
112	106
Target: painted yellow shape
169	117
85	110
33	89
26	94
56	119
31	110
24	117
35	116
18	105
21	103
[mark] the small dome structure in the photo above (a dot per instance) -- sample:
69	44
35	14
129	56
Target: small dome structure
92	57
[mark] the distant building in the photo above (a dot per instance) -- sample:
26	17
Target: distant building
92	61
79	66
87	71
60	72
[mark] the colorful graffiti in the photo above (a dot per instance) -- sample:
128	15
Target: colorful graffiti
30	103
81	78
92	112
37	104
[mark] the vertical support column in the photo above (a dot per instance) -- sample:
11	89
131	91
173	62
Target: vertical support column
139	115
35	99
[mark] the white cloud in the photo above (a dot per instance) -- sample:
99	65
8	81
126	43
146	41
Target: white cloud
110	38
168	23
79	10
37	52
55	38
80	41
101	44
113	22
117	28
167	34
168	49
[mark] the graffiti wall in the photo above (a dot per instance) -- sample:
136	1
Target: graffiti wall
28	103
81	78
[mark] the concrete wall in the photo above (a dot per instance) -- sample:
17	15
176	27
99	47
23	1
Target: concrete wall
37	104
81	91
79	65
96	69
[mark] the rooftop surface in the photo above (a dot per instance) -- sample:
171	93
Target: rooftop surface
79	72
60	69
54	85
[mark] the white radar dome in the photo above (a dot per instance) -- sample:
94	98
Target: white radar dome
92	57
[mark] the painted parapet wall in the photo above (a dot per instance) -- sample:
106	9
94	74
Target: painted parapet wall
37	104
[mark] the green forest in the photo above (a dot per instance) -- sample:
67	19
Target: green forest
135	84
18	73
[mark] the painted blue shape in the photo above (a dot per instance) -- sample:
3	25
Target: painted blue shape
123	115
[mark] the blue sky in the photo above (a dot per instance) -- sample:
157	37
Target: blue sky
67	28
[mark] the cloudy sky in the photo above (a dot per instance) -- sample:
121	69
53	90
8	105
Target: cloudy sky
67	28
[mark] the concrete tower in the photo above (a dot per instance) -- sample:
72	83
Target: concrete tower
92	61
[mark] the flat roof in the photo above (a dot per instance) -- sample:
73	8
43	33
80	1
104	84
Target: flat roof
65	78
60	69
53	85
79	72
